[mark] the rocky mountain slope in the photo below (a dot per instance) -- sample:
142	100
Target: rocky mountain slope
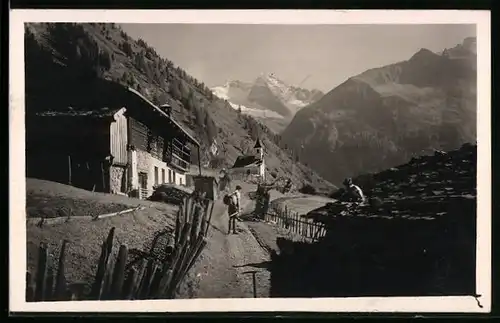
386	115
427	188
268	99
67	53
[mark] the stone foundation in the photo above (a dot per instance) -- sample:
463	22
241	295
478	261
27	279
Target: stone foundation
117	179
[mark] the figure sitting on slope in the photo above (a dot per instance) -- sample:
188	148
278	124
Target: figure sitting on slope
352	192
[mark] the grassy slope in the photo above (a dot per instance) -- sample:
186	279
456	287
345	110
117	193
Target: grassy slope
85	237
209	118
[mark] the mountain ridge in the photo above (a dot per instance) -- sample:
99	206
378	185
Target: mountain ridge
388	114
268	98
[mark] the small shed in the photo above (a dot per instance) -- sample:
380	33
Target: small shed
208	185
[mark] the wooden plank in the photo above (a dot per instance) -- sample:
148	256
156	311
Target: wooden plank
128	286
119	273
30	289
109	241
49	288
185	253
103	177
204	217
178	255
69	170
196	215
146	280
138	278
41	274
209	219
200	245
155	282
105	292
100	273
199	160
165	282
178	224
60	288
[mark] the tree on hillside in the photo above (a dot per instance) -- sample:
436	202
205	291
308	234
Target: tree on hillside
105	60
210	127
142	43
174	89
127	48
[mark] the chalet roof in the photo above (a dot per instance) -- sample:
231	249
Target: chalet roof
98	113
247	161
257	144
190	137
96	99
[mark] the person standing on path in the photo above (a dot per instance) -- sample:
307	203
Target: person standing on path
234	208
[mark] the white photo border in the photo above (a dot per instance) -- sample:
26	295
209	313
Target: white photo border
17	183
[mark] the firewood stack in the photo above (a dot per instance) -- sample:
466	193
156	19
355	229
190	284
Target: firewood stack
170	194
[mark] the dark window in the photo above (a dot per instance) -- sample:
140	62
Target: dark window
143	180
170	176
156	175
162	175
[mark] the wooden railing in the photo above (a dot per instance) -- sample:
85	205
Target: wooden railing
295	223
161	269
144	193
180	155
179	162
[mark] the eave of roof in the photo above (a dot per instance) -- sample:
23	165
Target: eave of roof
246	161
102	113
190	137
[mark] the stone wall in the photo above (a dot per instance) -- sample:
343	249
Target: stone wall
143	161
116	179
146	163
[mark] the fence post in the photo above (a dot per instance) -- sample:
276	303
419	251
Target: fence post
41	274
129	284
60	278
69	169
119	273
30	292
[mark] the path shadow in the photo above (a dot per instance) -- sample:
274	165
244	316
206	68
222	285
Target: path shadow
218	229
264	265
431	259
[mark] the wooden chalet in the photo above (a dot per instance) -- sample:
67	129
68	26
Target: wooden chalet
106	138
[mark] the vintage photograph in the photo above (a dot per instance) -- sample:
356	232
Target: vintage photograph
169	161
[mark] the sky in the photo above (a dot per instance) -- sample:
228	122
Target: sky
310	56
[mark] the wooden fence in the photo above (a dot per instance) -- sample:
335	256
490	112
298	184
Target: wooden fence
152	274
295	223
144	193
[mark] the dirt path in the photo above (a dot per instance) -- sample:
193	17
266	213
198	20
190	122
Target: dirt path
223	268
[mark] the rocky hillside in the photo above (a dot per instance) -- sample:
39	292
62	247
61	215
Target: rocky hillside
386	115
268	99
81	53
419	240
428	187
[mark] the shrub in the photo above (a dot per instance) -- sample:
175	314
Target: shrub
308	189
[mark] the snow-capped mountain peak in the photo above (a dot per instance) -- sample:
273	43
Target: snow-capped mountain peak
266	97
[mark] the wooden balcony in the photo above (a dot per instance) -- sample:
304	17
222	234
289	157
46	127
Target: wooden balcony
180	156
